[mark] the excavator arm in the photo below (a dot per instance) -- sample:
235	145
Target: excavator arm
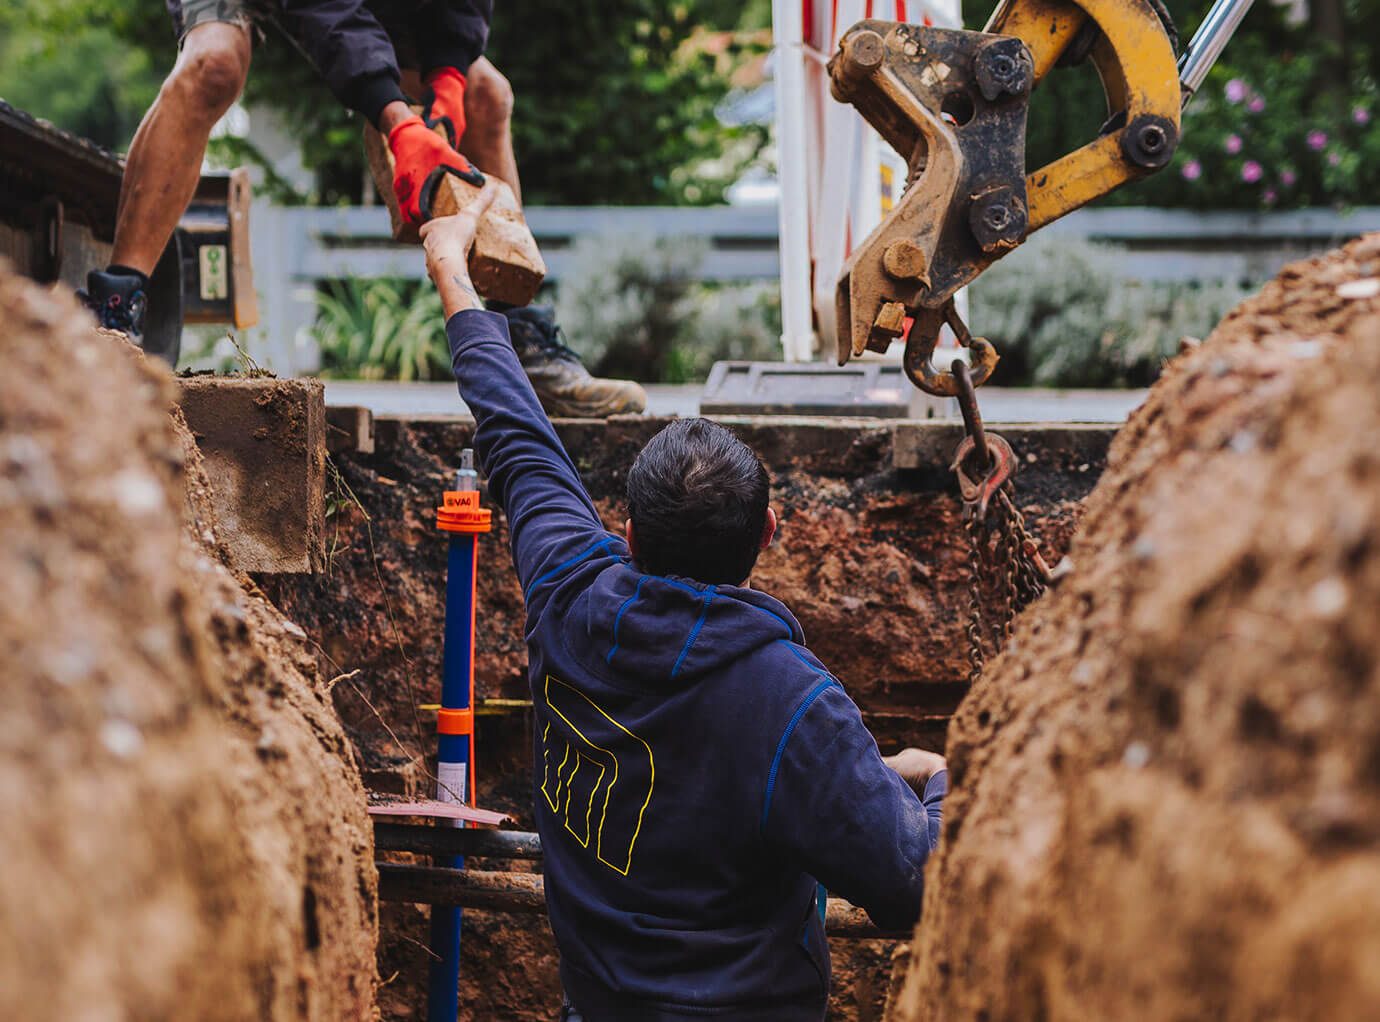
954	104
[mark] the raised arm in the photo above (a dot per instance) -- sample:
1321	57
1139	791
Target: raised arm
551	519
349	48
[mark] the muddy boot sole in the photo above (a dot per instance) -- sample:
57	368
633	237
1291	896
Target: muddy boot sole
617	397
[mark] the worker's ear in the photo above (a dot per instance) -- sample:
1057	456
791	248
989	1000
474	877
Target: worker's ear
768	530
628	535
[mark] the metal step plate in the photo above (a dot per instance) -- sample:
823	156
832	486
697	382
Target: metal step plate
859	389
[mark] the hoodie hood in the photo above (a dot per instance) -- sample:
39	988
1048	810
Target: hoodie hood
662	629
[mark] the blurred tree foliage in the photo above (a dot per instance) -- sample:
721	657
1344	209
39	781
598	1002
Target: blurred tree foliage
81	75
615	101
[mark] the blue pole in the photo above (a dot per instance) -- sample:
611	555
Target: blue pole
464	520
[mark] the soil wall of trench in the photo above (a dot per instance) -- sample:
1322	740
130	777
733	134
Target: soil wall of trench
871	558
1166	797
184	832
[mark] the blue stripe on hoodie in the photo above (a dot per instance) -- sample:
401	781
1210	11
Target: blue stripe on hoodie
697	771
695	631
613	650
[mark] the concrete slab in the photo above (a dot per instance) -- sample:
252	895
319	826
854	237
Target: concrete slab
1037	404
264	444
1075	447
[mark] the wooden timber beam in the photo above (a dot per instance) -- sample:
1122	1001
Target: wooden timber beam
524	893
428	840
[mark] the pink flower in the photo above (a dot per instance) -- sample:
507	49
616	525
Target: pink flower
1316	140
1287	178
1270	197
1192	170
1333	159
1256	105
1236	90
1251	172
1361	115
1232	145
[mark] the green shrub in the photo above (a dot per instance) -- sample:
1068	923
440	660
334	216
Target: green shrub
632	308
1058	319
733	321
382	330
624	303
1287	119
1275	130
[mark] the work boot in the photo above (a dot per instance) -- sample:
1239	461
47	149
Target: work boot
118	300
563	385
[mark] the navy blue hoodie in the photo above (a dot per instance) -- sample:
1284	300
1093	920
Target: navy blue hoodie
699	773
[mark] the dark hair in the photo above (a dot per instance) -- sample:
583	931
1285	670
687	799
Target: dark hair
697	497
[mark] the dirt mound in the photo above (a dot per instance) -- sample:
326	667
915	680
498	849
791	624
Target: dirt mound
184	830
1167	796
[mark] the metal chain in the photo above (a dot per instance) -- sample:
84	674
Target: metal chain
1034	576
976	655
1009	560
992	520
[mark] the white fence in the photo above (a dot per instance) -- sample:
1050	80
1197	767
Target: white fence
295	248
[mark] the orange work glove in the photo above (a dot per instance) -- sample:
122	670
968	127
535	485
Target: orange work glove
420	159
445	104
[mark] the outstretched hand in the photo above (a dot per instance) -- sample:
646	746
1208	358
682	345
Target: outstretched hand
447	241
916	767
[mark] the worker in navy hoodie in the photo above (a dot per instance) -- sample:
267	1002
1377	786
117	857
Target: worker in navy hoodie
700	776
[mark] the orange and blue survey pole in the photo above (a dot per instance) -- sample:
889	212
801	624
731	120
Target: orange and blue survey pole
461	517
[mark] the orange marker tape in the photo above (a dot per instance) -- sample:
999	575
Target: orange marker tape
455	722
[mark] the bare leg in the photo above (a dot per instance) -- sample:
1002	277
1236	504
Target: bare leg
164	161
488	141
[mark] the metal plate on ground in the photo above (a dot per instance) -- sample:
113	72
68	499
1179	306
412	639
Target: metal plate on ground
867	389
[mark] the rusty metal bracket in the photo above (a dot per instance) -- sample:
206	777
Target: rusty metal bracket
982	462
966	394
953	103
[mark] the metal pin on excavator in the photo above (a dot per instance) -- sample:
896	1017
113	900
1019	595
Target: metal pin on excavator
953	103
